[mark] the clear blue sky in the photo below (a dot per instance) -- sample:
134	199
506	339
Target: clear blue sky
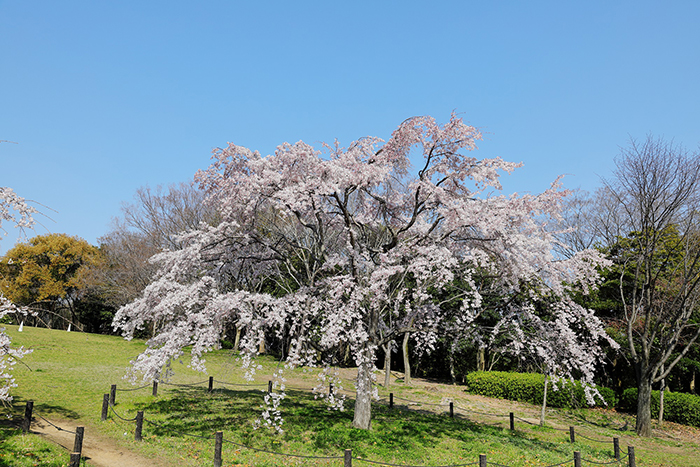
105	97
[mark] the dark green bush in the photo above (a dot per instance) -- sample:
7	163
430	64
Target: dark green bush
678	407
529	387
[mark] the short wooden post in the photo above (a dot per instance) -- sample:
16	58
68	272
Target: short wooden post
105	406
74	459
112	395
572	434
631	462
452	410
269	387
211	383
512	421
217	448
78	443
155	388
28	409
391	400
139	426
577	458
616	448
347	460
482	460
330	389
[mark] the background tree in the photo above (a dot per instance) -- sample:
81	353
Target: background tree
354	244
148	225
652	205
48	274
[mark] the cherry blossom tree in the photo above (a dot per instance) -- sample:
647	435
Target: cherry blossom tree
343	246
15	210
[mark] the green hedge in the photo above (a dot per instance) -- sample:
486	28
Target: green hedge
678	407
529	387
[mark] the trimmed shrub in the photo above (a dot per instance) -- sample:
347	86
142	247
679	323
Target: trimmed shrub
678	407
529	387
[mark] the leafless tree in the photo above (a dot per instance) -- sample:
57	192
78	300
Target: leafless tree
650	205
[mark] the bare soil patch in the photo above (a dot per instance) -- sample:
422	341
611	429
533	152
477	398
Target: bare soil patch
98	451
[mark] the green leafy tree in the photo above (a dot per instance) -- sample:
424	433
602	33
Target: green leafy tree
49	273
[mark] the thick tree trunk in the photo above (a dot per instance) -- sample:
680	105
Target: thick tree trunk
453	375
544	400
387	364
692	382
363	400
237	341
406	363
643	426
481	359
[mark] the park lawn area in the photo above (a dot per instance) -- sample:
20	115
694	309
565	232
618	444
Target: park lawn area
68	373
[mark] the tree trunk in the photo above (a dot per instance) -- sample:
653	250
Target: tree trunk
661	398
237	341
406	363
544	399
692	382
363	399
453	376
643	426
387	364
481	359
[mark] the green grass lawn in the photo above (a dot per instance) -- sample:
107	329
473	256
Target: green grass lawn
68	373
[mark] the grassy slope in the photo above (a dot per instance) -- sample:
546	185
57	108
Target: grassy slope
71	371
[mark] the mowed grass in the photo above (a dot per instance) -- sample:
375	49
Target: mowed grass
68	373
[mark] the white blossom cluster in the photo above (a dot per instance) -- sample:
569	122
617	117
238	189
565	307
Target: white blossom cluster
15	210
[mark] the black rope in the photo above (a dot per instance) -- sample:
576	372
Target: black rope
281	453
120	417
614	461
592	439
56	426
408	465
561	463
185	385
240	384
134	389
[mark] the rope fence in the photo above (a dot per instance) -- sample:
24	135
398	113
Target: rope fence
348	458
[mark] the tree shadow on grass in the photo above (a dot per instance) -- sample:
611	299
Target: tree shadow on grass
41	409
308	422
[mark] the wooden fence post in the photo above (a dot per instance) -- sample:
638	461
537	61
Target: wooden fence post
347	459
217	448
452	410
572	434
631	461
105	406
74	459
139	426
512	421
482	460
78	444
211	383
330	389
577	458
113	395
391	400
269	387
28	409
155	388
616	448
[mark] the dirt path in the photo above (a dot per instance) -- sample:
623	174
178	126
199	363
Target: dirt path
99	451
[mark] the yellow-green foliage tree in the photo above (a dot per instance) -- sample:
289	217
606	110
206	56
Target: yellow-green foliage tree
49	274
